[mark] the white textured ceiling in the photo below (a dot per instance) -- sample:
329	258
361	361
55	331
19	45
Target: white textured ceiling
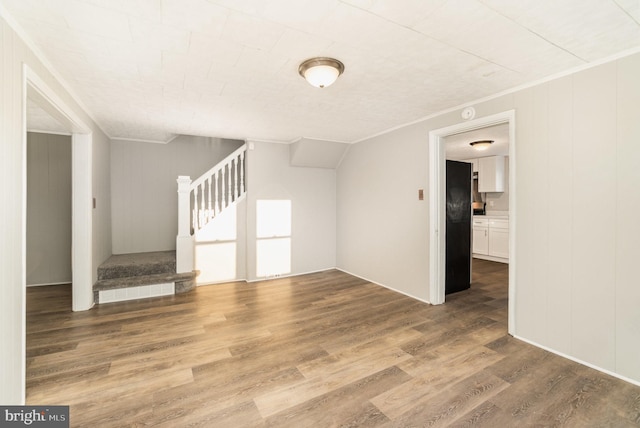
151	69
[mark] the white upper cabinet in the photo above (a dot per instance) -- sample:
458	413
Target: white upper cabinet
491	174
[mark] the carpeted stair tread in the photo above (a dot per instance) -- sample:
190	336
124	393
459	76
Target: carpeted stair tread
138	264
135	281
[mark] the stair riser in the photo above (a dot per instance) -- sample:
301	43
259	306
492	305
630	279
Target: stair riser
134	293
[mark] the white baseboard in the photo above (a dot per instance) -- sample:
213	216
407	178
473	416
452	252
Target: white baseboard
490	258
385	286
248	281
290	275
49	283
579	361
204	284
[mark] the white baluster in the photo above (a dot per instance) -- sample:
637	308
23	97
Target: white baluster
229	184
209	210
234	165
202	207
216	201
242	173
222	190
196	219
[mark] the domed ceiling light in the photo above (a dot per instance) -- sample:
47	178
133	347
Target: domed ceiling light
481	145
321	72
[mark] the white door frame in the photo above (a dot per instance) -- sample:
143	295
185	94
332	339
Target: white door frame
437	205
81	184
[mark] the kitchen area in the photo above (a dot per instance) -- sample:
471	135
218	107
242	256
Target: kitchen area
490	224
487	152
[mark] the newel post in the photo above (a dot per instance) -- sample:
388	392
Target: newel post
184	241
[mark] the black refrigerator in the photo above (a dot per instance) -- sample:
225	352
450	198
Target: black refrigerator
458	227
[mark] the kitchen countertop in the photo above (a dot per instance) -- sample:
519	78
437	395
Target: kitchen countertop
495	214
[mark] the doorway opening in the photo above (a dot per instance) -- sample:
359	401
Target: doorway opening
486	223
38	92
437	222
48	261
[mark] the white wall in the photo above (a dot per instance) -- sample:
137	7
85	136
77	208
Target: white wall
101	221
13	55
312	192
220	246
48	209
577	177
144	188
382	226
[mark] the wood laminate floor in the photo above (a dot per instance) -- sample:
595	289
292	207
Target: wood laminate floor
318	350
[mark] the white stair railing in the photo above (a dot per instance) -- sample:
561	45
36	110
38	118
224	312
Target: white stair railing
201	200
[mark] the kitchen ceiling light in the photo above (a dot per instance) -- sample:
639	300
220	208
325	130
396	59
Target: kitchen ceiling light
481	145
321	72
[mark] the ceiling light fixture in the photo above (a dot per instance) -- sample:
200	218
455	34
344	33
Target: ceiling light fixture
321	72
482	144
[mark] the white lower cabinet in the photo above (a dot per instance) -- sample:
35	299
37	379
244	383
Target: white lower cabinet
491	238
480	236
499	238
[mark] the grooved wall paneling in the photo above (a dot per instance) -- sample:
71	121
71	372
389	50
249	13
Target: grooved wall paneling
627	224
577	205
48	209
12	244
559	209
593	256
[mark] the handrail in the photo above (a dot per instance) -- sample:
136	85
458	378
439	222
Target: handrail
216	189
195	183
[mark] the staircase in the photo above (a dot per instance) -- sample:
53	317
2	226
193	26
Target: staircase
140	275
202	200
